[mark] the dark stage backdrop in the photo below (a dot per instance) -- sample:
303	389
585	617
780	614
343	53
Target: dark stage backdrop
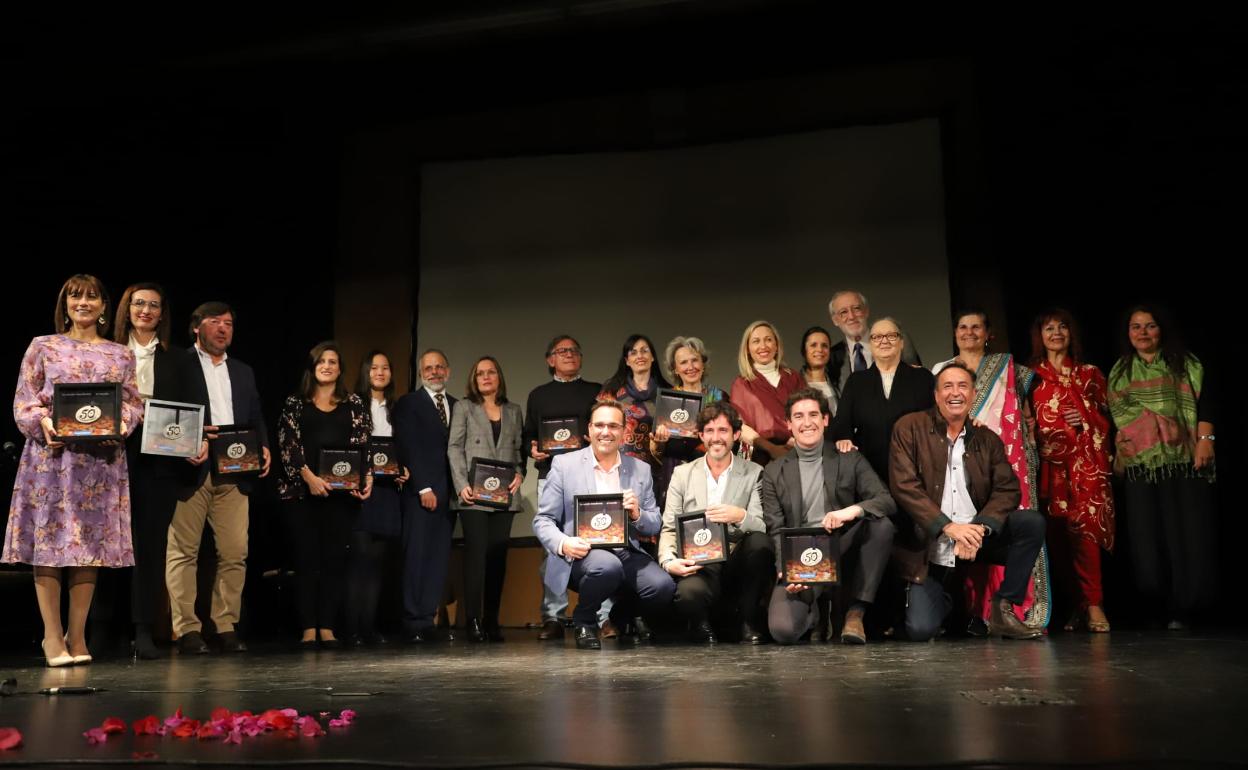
693	241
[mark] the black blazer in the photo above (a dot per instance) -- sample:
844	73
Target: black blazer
193	389
167	387
422	440
865	417
838	362
847	480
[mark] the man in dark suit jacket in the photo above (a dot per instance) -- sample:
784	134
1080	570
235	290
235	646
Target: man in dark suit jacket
422	422
227	389
851	314
816	486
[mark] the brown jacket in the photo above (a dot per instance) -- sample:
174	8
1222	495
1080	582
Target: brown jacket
916	476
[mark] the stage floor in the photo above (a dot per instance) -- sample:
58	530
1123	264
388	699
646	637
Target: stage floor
1129	698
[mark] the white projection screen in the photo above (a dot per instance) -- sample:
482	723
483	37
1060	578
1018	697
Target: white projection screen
692	241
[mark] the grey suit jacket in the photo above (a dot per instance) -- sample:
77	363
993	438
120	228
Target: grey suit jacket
570	475
687	492
847	480
471	436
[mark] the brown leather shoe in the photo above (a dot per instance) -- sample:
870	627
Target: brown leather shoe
608	630
853	632
551	630
1003	621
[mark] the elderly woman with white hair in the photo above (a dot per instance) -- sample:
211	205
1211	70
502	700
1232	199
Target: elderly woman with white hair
686	362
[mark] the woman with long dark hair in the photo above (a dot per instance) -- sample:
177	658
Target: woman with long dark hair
635	384
1159	396
321	415
380	520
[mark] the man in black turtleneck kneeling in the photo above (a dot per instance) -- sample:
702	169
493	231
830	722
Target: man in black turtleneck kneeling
816	486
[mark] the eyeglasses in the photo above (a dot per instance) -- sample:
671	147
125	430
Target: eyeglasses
640	352
890	336
854	309
142	303
612	426
566	352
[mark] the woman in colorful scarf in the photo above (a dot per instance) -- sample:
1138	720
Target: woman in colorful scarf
1159	399
1001	388
1072	430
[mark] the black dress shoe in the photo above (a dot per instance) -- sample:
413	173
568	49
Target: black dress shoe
642	631
144	647
331	644
306	645
629	635
1003	621
494	633
750	635
587	638
193	644
551	629
475	632
447	634
375	639
230	642
703	633
420	636
354	641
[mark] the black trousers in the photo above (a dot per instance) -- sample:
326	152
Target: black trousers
486	537
745	579
152	502
1172	532
426	554
320	529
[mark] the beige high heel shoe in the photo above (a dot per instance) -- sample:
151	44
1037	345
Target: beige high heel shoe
56	661
79	660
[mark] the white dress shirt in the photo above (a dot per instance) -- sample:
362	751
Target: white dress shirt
220	394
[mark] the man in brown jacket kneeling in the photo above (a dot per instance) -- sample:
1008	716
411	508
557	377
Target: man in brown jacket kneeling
954	481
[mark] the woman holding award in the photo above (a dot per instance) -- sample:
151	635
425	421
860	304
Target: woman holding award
760	391
686	362
142	324
322	416
70	511
486	426
380	518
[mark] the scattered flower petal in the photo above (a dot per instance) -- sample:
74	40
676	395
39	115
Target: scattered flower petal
95	735
10	738
148	725
113	726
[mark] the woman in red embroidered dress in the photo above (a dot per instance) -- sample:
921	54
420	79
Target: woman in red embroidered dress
1072	428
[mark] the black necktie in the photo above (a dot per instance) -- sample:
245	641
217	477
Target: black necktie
860	361
442	409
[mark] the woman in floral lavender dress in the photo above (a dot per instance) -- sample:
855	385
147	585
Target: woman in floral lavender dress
70	512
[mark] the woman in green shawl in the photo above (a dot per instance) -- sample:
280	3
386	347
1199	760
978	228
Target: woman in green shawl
1158	396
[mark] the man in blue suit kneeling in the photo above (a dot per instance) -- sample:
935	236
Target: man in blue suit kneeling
627	574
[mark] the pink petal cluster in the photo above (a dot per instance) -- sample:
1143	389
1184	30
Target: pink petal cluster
225	725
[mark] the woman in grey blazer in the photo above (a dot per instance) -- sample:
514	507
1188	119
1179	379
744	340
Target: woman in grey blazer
486	425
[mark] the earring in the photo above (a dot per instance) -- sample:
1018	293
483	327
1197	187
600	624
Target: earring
102	320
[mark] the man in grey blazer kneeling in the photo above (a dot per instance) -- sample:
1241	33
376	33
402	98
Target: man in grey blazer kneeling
727	489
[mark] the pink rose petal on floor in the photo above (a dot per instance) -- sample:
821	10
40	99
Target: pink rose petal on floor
10	738
235	736
95	735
